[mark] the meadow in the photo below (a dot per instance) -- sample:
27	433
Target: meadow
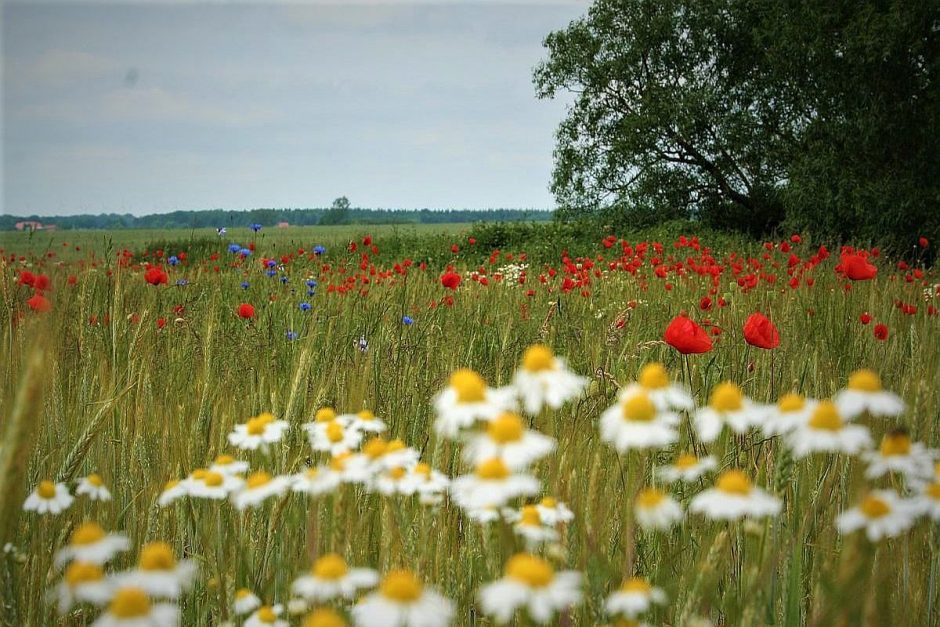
134	364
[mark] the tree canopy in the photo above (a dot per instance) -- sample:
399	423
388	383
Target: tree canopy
751	114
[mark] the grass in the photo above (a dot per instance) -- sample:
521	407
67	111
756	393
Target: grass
141	405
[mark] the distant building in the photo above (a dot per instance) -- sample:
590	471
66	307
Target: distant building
32	225
283	225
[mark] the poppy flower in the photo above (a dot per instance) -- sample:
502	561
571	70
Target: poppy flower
857	268
246	311
759	331
687	337
865	318
155	276
39	303
27	278
922	242
450	280
881	332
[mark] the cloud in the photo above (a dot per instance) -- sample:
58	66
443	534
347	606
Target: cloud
58	68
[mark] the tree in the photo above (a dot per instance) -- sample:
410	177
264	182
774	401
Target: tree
749	113
338	213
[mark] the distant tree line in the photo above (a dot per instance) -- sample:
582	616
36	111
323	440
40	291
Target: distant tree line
339	213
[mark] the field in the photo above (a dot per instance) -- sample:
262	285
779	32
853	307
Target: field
128	365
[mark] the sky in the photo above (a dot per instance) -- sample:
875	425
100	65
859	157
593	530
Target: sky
146	108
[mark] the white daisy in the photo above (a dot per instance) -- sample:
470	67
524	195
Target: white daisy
529	524
897	454
48	497
205	484
532	585
245	601
492	484
686	467
228	465
791	412
634	597
430	484
131	607
467	399
507	438
929	500
392	481
259	432
384	454
727	405
332	436
173	490
82	582
89	543
865	394
654	509
158	572
544	380
330	578
654	380
635	422
316	481
826	432
267	616
882	514
554	511
93	486
483	515
366	421
734	497
258	487
402	601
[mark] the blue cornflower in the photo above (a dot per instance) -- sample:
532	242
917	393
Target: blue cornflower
245	252
311	282
220	231
407	321
270	263
234	248
305	306
182	282
174	260
255	227
311	293
292	335
319	249
244	285
284	279
271	273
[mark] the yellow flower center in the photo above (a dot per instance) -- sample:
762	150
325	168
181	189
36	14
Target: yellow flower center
637	584
242	593
650	498
506	428
224	460
330	566
82	572
734	482
256	426
130	603
213	479
157	556
265	417
653	376
325	414
338	462
865	381
199	473
933	491
826	417
169	485
401	586
638	408
423	469
258	479
312	473
335	431
87	533
375	448
549	502
396	445
469	386
538	358
397	473
46	490
493	469
366	415
895	443
685	461
726	397
324	617
791	402
95	480
531	516
266	614
529	569
874	507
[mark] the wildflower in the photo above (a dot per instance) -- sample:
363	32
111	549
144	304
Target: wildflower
407	321
529	524
267	616
791	412
255	227
156	276
330	578
655	509
530	583
635	422
483	515
159	573
467	399
131	607
393	480
655	382
234	248
826	432
258	487
228	465
82	582
734	497
246	311
291	335
450	280
864	393
305	306
687	337
543	379
332	436
882	513
898	454
259	431
636	596
428	483
245	601
319	249
173	260
48	497
316	481
759	331
507	438
362	344
220	231
173	490
245	285
94	487
205	484
492	484
90	543
402	601
857	268
727	405
39	303
929	500
881	332
364	420
686	467
384	454
552	511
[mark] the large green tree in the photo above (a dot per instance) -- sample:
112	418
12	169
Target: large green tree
751	113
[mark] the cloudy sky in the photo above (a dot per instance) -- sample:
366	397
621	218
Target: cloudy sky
145	108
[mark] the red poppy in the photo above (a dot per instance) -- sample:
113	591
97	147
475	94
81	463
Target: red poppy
865	318
246	311
857	268
450	280
39	303
27	278
881	331
454	248
687	337
922	242
759	331
161	322
155	276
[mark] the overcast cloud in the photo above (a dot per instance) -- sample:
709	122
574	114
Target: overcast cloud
143	108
